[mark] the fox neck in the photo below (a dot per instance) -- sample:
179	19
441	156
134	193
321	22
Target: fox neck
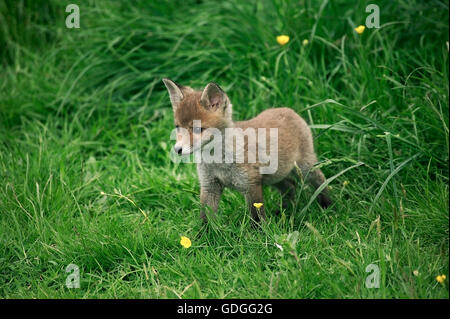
228	123
227	152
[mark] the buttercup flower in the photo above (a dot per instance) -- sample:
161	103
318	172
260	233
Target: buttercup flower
258	205
185	242
282	39
441	278
305	42
346	183
360	29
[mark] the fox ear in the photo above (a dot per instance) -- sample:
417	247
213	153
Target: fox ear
213	97
175	93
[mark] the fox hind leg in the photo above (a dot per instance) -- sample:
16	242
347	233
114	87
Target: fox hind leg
316	178
286	187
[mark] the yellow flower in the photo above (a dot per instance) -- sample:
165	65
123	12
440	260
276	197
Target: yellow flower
305	42
441	278
258	205
346	183
185	242
360	29
282	39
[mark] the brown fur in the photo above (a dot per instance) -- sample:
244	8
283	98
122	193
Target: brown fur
295	147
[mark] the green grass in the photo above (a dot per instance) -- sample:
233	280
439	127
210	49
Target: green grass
86	178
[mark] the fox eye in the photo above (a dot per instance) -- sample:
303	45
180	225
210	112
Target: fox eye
197	130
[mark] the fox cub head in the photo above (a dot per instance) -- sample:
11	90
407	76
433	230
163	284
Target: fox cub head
195	112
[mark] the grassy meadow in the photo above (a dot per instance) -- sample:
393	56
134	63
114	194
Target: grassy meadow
86	177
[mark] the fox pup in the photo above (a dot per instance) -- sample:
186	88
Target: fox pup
197	113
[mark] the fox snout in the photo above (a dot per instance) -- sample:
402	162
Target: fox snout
178	149
184	141
190	140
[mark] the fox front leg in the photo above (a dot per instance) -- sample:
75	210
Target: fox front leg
255	195
209	198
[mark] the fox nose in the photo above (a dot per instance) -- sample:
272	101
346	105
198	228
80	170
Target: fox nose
178	149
